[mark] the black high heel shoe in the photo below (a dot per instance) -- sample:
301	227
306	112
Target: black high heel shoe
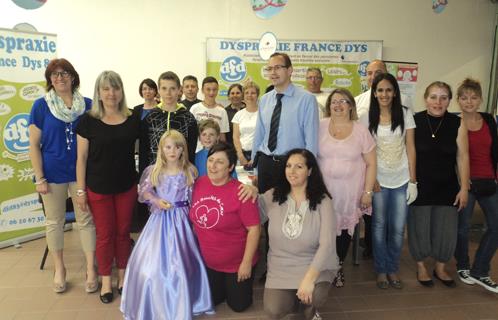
449	283
426	283
107	297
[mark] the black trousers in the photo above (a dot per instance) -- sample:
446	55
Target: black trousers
270	170
224	287
342	245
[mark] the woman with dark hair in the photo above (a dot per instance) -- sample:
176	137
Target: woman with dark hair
235	95
392	127
148	91
346	155
107	177
441	141
302	260
228	230
52	150
483	156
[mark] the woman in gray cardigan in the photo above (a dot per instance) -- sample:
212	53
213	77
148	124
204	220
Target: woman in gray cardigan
302	259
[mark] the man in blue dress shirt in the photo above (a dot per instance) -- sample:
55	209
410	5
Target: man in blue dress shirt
297	122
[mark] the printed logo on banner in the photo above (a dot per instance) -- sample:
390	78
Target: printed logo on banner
233	69
29	4
362	68
16	138
4	109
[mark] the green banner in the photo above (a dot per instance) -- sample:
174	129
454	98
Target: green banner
343	63
23	59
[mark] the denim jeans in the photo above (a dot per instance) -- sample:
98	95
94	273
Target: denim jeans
489	241
388	227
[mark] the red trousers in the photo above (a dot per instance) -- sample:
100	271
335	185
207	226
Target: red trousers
112	217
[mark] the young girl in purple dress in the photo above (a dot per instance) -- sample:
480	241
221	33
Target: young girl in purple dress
166	277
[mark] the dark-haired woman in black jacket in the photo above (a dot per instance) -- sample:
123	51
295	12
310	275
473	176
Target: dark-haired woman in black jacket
483	158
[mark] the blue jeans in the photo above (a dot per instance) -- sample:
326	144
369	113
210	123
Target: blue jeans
388	226
489	241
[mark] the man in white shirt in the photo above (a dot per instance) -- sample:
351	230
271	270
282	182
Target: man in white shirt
314	81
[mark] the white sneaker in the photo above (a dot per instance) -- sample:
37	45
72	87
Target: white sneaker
464	276
487	283
316	316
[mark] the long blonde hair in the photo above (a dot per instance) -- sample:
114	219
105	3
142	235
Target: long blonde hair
186	167
114	80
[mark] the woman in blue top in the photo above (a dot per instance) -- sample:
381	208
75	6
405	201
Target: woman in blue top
52	149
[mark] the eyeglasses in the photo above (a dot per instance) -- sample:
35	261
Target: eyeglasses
63	74
338	102
276	67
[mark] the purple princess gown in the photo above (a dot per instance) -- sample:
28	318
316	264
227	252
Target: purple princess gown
165	277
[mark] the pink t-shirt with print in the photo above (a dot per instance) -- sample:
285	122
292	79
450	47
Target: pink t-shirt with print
220	220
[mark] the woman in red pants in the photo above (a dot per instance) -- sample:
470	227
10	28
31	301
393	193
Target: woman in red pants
106	175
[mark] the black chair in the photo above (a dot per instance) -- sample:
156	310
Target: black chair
70	218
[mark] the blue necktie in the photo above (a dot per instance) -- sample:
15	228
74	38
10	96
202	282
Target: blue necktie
275	120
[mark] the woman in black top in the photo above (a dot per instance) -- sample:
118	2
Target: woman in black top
148	91
106	175
442	149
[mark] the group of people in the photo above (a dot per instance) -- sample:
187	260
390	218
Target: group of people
322	165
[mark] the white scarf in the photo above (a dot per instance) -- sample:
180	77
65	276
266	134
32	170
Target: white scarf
59	109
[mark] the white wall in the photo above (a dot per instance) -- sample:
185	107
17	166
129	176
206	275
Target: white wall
142	38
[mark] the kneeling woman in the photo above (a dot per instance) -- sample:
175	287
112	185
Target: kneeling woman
302	260
227	228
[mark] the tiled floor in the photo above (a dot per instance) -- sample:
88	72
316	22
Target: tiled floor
25	293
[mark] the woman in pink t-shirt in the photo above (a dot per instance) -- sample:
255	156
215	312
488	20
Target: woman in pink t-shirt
228	230
346	155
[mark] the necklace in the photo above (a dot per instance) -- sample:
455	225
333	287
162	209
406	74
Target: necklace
433	133
69	134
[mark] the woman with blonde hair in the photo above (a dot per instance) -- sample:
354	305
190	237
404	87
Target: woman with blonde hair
106	175
483	159
443	182
244	124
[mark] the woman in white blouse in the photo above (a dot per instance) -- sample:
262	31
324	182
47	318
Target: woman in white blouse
244	124
392	127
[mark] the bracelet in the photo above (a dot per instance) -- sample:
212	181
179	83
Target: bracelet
368	192
80	192
41	181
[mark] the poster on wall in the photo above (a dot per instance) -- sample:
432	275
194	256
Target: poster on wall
343	63
23	59
407	74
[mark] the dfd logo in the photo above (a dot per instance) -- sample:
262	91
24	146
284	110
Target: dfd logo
15	133
233	69
362	68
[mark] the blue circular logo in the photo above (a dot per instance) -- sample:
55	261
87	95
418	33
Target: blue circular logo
29	4
233	69
362	68
15	133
